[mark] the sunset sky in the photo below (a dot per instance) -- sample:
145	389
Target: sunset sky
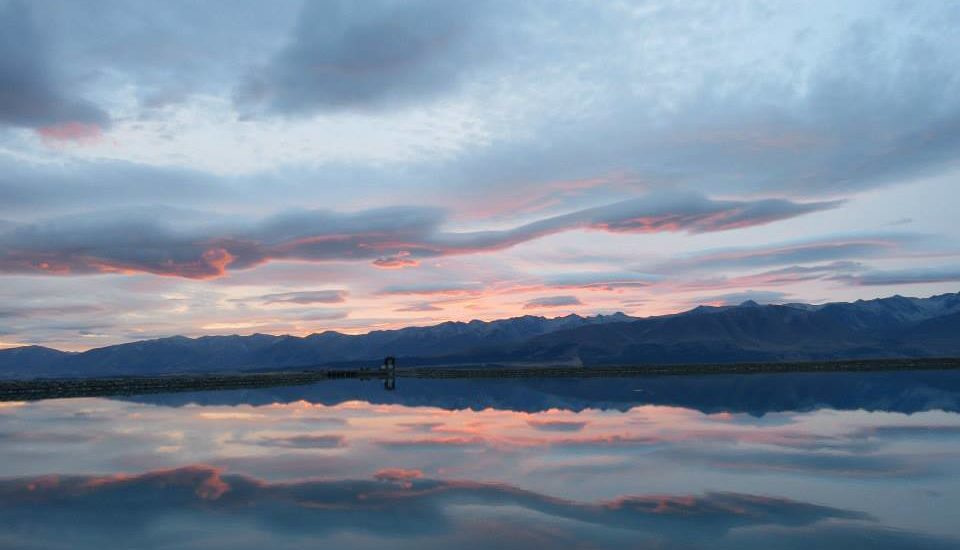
200	168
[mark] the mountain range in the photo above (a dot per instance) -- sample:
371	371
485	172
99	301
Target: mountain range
882	328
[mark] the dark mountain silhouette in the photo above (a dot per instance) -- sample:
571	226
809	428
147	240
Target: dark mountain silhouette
29	358
882	328
179	354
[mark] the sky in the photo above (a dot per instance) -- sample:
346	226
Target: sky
288	167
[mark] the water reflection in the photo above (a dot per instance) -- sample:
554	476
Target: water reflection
756	394
435	465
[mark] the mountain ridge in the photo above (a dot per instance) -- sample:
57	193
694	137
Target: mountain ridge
890	327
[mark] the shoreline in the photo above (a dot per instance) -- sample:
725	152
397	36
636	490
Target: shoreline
57	388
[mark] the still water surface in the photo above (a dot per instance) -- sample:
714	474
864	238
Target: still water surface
836	460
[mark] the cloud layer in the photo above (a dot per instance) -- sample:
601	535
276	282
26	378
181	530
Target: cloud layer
345	55
127	243
635	156
32	92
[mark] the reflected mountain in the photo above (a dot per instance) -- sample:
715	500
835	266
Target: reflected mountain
756	394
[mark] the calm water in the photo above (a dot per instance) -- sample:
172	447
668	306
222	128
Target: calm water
763	461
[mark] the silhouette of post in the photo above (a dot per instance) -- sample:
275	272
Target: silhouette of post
389	368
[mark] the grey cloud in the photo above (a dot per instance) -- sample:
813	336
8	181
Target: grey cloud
419	307
427	289
808	462
45	437
776	277
653	213
420	426
910	431
144	241
33	93
328	315
437	443
832	248
865	98
553	301
306	297
834	536
798	272
306	441
49	311
162	52
605	280
557	425
44	188
348	55
946	274
870	101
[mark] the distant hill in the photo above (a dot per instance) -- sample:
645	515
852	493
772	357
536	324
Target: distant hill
881	328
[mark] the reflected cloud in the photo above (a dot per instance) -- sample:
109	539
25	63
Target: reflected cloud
303	441
433	443
397	503
906	431
882	467
292	472
45	437
557	425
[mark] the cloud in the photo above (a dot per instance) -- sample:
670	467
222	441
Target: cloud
692	213
305	441
775	277
397	261
143	242
426	443
77	132
32	90
345	55
42	188
851	465
50	311
796	273
398	475
553	301
26	438
909	276
306	297
429	289
826	249
557	425
600	280
420	426
835	100
424	306
910	431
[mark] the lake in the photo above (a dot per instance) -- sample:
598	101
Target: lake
834	460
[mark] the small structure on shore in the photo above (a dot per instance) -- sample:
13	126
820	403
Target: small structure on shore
389	368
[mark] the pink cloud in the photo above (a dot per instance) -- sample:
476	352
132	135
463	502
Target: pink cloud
399	260
391	238
400	476
79	133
